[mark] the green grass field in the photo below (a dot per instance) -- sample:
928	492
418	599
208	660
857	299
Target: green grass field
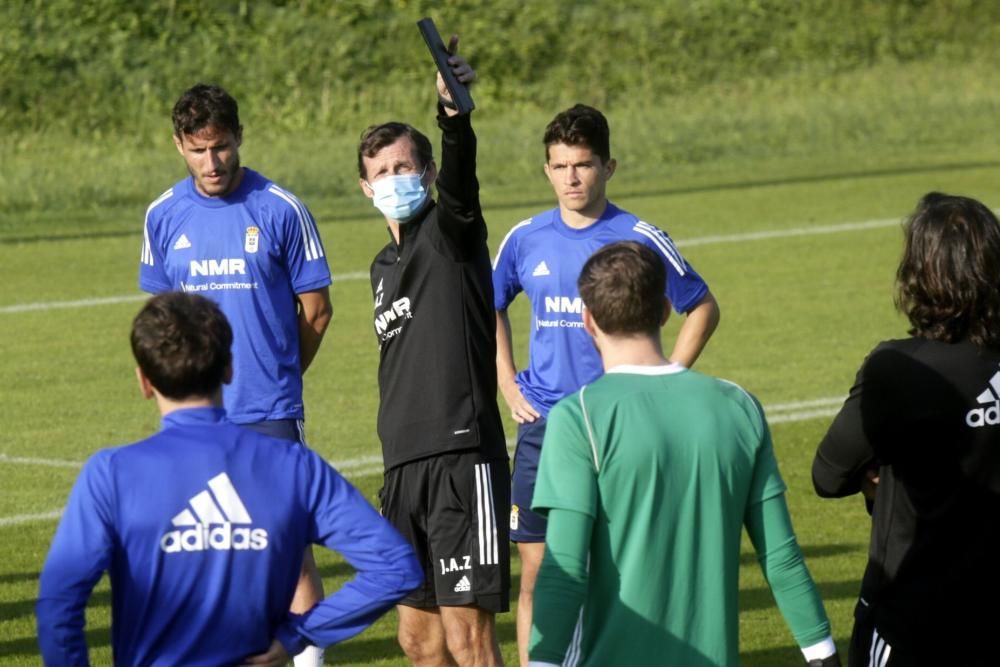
799	247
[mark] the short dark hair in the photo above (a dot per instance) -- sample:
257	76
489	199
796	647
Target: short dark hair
182	343
948	282
205	105
580	125
623	286
377	137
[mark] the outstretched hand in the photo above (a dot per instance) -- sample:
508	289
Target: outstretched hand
460	68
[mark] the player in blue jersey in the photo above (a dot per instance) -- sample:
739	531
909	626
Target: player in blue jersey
542	257
230	234
201	526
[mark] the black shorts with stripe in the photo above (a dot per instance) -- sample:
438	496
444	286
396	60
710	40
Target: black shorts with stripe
453	509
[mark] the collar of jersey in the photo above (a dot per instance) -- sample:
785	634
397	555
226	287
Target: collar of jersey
194	416
239	194
408	229
663	369
610	211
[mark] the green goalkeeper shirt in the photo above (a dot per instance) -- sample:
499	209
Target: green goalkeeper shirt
651	473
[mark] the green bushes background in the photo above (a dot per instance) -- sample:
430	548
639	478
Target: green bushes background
100	66
698	92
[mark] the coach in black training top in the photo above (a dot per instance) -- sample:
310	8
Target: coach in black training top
432	285
447	481
920	435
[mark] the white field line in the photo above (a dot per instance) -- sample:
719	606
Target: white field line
367	466
832	401
362	275
35	461
803	416
786	233
18	519
124	298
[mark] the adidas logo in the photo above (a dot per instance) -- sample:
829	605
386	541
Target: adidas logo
463	585
208	522
182	243
541	270
990	416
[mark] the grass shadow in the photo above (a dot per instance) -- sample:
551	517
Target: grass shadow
18	577
28	646
813	551
752	599
21	608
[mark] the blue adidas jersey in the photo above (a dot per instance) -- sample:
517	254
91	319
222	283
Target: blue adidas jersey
251	252
543	258
202	528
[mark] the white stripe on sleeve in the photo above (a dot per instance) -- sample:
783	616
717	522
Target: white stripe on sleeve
147	250
878	653
503	243
572	658
310	235
663	242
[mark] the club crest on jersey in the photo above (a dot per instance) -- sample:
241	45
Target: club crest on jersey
252	239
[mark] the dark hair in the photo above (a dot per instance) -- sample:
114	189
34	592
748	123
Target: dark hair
204	106
948	282
377	137
182	344
580	126
623	286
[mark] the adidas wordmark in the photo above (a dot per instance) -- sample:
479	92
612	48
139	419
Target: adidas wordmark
463	585
209	522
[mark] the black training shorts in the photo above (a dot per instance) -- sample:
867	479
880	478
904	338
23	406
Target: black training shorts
453	509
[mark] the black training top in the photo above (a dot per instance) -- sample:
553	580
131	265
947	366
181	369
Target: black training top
435	322
927	415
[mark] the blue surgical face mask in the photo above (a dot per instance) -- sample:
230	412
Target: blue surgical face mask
399	197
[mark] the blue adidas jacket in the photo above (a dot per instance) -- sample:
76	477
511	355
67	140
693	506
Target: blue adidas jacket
202	528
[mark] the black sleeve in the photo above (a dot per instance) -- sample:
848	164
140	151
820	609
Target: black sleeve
460	216
845	452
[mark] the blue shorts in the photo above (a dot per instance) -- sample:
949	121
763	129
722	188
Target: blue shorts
285	429
525	525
